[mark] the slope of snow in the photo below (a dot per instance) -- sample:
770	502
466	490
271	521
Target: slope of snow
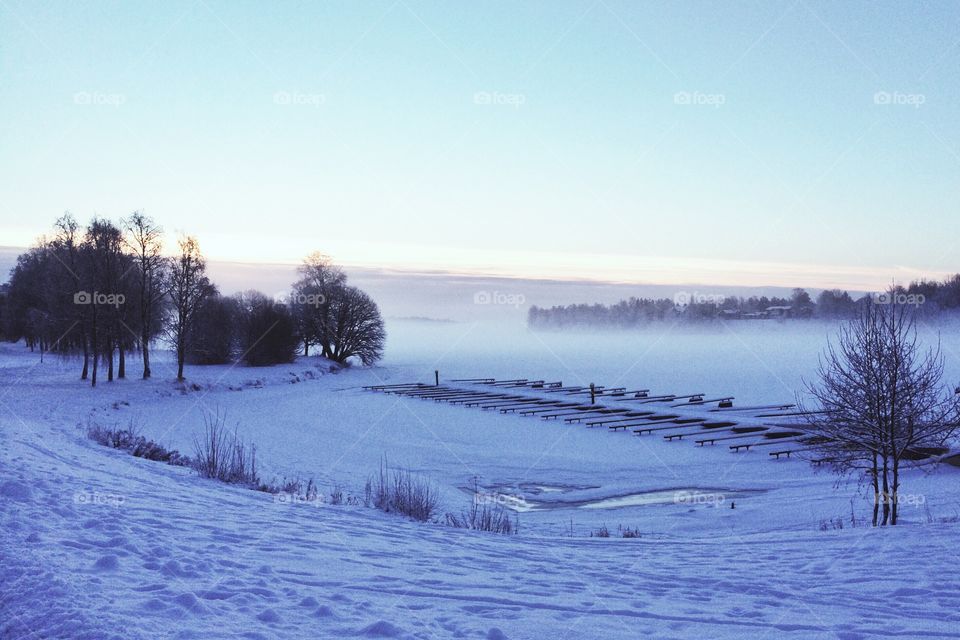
98	544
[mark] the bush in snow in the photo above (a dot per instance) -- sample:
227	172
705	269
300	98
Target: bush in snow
483	515
128	439
400	491
222	455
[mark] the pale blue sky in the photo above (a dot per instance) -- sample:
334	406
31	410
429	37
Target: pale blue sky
541	138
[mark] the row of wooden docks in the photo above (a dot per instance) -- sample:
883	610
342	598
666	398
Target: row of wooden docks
693	416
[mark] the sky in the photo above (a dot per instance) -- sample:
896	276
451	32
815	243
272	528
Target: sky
749	143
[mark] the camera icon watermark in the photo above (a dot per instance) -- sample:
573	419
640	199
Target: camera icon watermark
898	297
98	298
499	298
298	99
288	498
684	298
315	300
99	99
515	100
700	99
712	499
897	98
95	498
516	502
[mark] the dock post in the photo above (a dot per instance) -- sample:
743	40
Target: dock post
593	394
436	377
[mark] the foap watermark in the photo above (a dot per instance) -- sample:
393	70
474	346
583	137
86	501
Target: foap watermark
296	299
898	297
699	498
699	99
496	98
99	298
95	498
897	98
507	500
909	499
285	498
499	298
683	298
99	99
299	99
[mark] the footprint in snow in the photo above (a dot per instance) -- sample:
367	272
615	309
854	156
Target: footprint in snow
16	491
268	615
108	562
189	602
381	629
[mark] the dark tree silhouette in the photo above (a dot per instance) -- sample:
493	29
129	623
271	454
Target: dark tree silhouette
311	301
358	329
144	239
267	330
187	287
213	339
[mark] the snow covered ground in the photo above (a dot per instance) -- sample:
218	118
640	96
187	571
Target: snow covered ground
98	544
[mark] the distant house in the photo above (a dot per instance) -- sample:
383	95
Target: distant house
783	311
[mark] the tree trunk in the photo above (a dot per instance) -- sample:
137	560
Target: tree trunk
896	492
886	491
109	355
94	350
876	490
181	352
86	355
122	366
146	354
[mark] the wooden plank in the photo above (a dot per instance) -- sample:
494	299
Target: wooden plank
532	412
580	417
703	401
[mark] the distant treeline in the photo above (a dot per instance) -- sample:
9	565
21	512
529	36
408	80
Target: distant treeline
107	290
929	297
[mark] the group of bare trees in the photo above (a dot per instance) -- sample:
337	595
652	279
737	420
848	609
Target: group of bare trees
880	401
98	291
106	290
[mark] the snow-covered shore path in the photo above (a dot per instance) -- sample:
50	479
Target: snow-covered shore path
98	544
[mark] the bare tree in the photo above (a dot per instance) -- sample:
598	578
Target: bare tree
145	240
66	247
312	298
105	266
358	329
881	399
187	286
